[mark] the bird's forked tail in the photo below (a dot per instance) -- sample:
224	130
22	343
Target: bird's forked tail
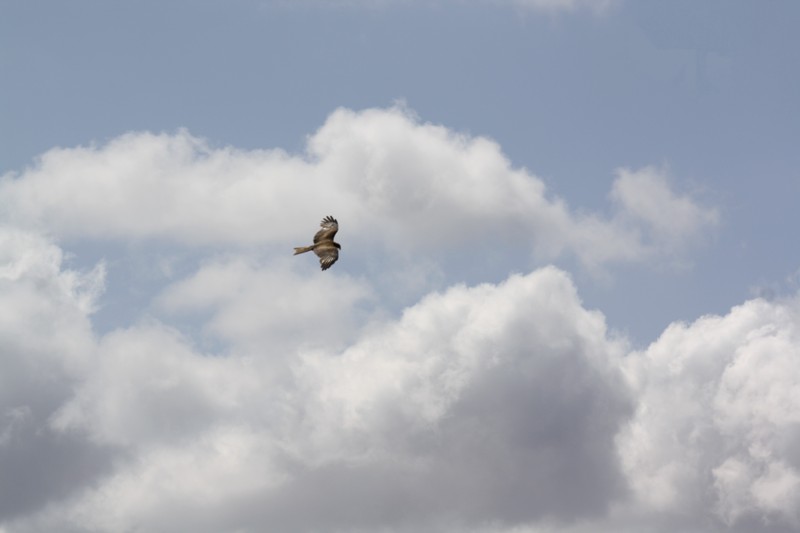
303	249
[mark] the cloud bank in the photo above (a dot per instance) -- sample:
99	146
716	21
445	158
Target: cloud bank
405	187
253	391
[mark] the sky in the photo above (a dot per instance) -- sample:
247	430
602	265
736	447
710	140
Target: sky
567	299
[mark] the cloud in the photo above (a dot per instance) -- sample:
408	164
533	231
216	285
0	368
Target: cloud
268	308
485	408
47	344
403	189
249	389
717	424
645	194
553	6
495	402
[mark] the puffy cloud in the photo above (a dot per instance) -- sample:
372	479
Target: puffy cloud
495	407
717	424
270	309
400	187
46	344
495	402
148	385
485	400
645	194
158	186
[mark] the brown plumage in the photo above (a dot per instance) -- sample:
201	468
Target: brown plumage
324	247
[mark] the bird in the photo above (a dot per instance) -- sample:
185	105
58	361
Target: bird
324	247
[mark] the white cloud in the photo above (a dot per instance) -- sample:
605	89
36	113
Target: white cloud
46	345
270	309
148	385
158	186
27	258
478	402
400	188
49	304
645	194
717	425
497	407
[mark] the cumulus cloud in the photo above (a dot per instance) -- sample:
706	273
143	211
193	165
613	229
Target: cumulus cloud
717	424
268	308
496	401
495	407
400	187
490	407
46	345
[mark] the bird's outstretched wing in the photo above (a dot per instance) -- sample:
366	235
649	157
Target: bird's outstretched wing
327	253
329	227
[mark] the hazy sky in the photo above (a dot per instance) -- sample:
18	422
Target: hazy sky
567	301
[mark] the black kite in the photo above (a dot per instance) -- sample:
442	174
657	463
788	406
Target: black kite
324	247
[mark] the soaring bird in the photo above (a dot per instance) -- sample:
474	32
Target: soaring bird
324	247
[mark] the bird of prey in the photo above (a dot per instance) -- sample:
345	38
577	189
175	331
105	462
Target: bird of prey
324	247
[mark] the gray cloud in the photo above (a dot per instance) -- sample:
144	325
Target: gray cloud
495	407
41	466
500	413
489	415
46	340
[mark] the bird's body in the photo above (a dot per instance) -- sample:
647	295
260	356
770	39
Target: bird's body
324	247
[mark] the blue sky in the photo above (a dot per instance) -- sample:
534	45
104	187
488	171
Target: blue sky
625	172
705	91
